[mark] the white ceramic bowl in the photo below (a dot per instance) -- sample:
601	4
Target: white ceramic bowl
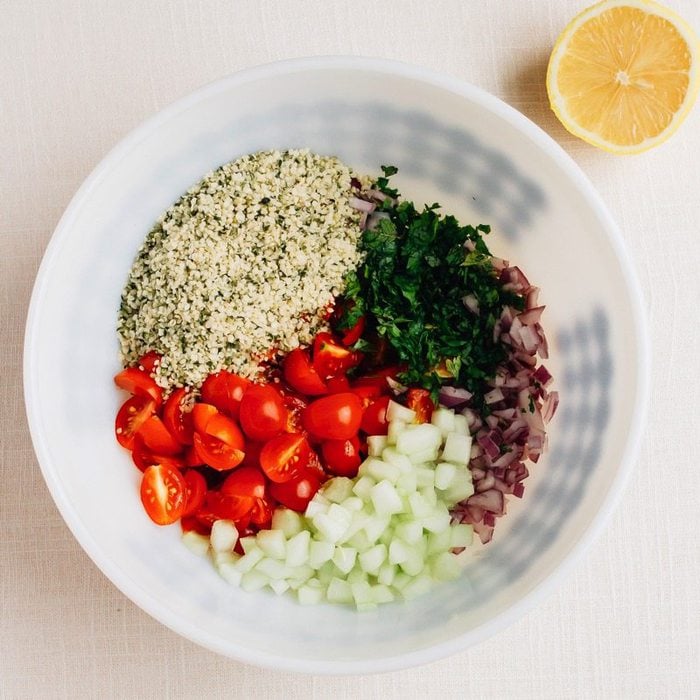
454	144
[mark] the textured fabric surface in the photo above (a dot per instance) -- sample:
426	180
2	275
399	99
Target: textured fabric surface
76	76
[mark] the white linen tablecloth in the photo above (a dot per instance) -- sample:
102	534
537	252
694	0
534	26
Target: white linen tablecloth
76	76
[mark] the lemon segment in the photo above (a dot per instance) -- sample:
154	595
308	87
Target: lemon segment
623	75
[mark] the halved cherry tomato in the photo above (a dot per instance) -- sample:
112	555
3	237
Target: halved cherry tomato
217	506
352	335
177	421
195	491
131	416
201	414
296	493
342	457
300	374
252	454
295	406
339	384
245	482
216	453
191	458
190	523
225	391
149	361
330	358
261	513
225	429
334	417
163	494
139	383
143	457
262	414
283	457
374	420
158	438
419	401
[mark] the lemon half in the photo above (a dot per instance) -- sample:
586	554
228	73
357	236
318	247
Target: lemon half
623	75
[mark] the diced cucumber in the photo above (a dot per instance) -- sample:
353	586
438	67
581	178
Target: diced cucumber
395	429
279	586
428	493
221	558
359	541
376	444
339	591
249	542
353	503
425	478
376	526
362	595
395	411
445	567
461	425
419	439
311	593
438	520
419	505
332	527
230	574
444	420
411	531
385	499
381	594
426	456
363	486
414	562
253	581
273	543
380	470
391	455
320	553
373	558
399	552
439	541
444	475
297	548
288	521
337	489
196	543
461	535
224	536
407	483
316	505
272	568
416	586
344	558
249	560
356	575
386	573
461	487
327	571
457	449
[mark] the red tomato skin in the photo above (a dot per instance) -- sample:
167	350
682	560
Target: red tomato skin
158	481
330	358
224	390
202	413
139	383
419	401
296	493
158	438
374	420
283	457
177	421
352	335
225	429
342	457
135	411
300	374
216	453
263	414
334	417
220	507
338	385
143	457
261	513
195	491
244	482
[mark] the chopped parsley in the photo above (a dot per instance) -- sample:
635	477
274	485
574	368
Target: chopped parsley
410	289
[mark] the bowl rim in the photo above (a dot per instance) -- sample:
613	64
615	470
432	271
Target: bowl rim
139	595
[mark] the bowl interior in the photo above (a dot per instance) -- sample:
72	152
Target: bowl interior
452	144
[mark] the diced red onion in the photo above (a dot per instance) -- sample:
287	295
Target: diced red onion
549	406
362	205
491	500
494	396
531	315
472	303
452	396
